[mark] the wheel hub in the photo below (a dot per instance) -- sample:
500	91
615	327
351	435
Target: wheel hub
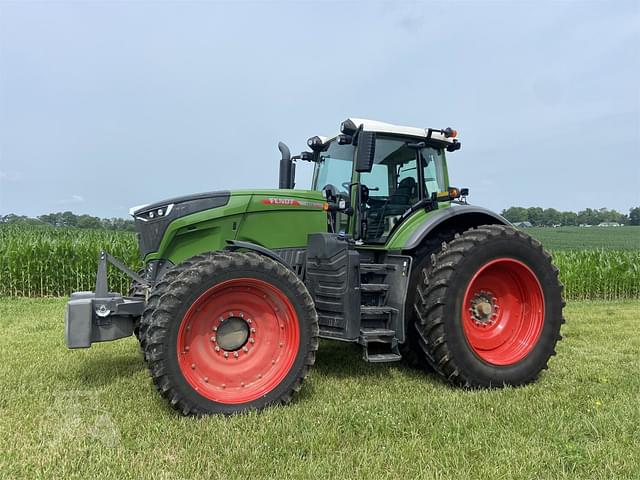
483	308
504	311
238	340
232	334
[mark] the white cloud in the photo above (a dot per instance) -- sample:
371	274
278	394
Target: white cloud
74	199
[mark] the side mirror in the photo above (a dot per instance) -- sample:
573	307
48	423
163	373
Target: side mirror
366	151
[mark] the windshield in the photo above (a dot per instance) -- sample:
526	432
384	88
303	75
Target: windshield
334	167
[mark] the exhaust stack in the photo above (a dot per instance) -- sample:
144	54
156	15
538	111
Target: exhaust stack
287	168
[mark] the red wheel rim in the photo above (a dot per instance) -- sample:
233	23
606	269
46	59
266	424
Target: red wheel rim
503	311
251	370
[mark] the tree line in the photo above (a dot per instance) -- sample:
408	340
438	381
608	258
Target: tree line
537	216
548	217
69	219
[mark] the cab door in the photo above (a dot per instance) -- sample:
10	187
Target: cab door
391	188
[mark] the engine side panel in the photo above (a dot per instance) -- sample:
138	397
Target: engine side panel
275	219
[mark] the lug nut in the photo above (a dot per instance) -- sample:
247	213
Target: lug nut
206	379
193	366
235	354
226	354
217	348
245	349
252	340
253	330
213	339
187	348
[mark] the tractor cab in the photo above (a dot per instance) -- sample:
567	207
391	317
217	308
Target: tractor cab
372	173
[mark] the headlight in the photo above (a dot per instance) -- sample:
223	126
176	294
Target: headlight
154	213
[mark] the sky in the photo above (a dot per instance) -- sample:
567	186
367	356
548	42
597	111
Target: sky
106	105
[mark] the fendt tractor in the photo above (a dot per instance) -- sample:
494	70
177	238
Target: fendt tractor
238	286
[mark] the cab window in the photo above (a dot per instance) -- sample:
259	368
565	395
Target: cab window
393	186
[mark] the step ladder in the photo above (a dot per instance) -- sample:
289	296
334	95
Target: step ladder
377	319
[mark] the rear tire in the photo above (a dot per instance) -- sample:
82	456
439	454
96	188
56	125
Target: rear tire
490	308
233	332
413	354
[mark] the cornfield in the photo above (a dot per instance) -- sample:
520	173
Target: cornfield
48	261
42	261
599	274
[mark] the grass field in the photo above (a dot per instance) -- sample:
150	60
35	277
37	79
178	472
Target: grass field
94	413
580	238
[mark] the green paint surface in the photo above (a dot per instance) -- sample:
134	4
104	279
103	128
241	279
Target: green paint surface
271	218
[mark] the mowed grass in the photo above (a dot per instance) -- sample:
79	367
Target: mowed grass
581	238
94	413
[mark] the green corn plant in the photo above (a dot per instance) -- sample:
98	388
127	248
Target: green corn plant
46	261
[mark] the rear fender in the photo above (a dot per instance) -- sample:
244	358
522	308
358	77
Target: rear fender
456	218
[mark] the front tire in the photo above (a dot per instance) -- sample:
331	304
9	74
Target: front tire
233	332
490	308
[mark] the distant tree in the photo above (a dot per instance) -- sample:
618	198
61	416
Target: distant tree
13	219
70	219
536	216
588	216
515	214
634	216
87	221
50	218
569	218
551	216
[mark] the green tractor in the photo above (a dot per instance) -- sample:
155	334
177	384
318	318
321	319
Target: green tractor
239	286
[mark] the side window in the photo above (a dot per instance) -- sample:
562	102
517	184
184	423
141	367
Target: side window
379	178
433	171
393	186
394	162
407	186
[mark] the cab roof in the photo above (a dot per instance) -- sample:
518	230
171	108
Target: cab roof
382	127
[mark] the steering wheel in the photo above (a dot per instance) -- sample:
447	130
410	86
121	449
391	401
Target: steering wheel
346	186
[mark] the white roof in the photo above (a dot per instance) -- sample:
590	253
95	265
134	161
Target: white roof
382	127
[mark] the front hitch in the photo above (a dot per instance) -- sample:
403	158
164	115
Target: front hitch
102	316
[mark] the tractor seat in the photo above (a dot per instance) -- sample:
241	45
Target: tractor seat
406	191
399	201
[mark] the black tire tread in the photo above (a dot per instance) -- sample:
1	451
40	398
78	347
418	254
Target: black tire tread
187	277
160	289
412	352
430	305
